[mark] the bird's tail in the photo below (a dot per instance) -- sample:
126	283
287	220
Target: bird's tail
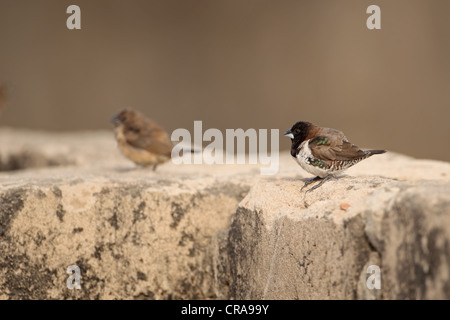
372	152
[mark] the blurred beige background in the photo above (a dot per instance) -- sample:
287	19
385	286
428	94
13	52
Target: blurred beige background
234	64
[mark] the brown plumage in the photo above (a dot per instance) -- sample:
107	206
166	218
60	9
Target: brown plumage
324	152
140	139
332	145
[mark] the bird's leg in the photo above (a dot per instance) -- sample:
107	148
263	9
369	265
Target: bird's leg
154	167
307	183
320	183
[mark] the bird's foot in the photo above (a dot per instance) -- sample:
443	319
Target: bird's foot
323	180
146	166
307	183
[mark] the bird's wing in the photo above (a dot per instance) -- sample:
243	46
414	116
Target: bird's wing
150	138
334	147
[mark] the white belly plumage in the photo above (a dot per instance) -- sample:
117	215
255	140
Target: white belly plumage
304	159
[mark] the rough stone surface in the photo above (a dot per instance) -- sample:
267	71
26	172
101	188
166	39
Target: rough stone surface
207	232
287	245
409	225
133	232
129	239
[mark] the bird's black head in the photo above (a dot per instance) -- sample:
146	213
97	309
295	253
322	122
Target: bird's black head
298	134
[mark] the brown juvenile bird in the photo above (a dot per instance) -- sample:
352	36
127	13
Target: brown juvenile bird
324	152
140	139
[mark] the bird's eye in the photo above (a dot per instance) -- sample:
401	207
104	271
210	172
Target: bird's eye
296	131
123	119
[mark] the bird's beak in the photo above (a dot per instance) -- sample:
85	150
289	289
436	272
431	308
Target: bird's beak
115	120
289	134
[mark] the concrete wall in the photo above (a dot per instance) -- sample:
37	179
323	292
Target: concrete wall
207	232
